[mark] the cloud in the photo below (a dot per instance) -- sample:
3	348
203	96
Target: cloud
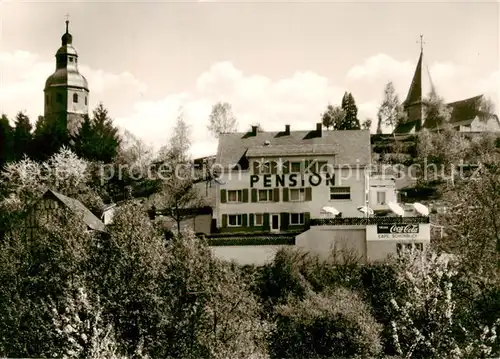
297	99
24	75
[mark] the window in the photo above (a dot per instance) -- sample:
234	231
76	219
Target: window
265	195
234	220
70	59
85	100
265	168
295	167
340	193
46	99
234	196
259	219
58	98
296	218
297	194
75	98
381	197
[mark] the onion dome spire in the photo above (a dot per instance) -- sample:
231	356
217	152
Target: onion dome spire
67	39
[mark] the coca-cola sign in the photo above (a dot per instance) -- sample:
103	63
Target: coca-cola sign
397	228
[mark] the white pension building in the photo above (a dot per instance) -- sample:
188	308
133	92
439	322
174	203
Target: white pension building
277	181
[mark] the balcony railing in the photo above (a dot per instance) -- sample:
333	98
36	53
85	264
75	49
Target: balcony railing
359	221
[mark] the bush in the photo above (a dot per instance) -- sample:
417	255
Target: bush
333	324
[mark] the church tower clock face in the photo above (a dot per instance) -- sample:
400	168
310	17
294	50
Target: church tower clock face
66	90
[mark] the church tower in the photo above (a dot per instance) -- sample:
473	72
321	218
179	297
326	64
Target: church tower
66	90
413	105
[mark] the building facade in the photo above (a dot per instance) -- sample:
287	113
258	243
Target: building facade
277	181
66	90
382	191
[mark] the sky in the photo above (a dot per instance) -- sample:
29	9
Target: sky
276	63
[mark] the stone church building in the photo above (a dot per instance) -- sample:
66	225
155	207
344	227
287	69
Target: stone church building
466	115
66	90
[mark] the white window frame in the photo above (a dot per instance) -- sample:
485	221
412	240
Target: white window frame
340	199
302	195
383	194
291	166
239	220
269	195
301	219
261	223
239	196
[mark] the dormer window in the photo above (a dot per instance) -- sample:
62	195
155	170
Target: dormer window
75	98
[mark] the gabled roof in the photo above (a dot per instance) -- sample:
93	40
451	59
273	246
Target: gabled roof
77	208
349	146
404	128
465	110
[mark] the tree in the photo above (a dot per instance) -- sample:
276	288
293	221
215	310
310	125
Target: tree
426	321
210	311
177	148
351	121
486	109
379	124
222	120
6	140
49	137
332	324
333	117
179	195
472	224
367	125
390	112
22	135
436	113
97	138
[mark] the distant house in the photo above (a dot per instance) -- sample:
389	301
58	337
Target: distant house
199	220
52	203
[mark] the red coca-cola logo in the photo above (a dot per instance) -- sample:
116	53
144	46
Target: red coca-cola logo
409	228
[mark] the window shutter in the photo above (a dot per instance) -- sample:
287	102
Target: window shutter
285	194
254	194
224	220
266	220
284	220
244	221
274	167
255	168
245	195
251	221
308	194
222	196
307	218
276	195
286	167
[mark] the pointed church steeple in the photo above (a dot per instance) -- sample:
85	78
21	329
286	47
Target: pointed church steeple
413	103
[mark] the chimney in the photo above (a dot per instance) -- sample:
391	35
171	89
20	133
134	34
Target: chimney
287	130
319	129
254	130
